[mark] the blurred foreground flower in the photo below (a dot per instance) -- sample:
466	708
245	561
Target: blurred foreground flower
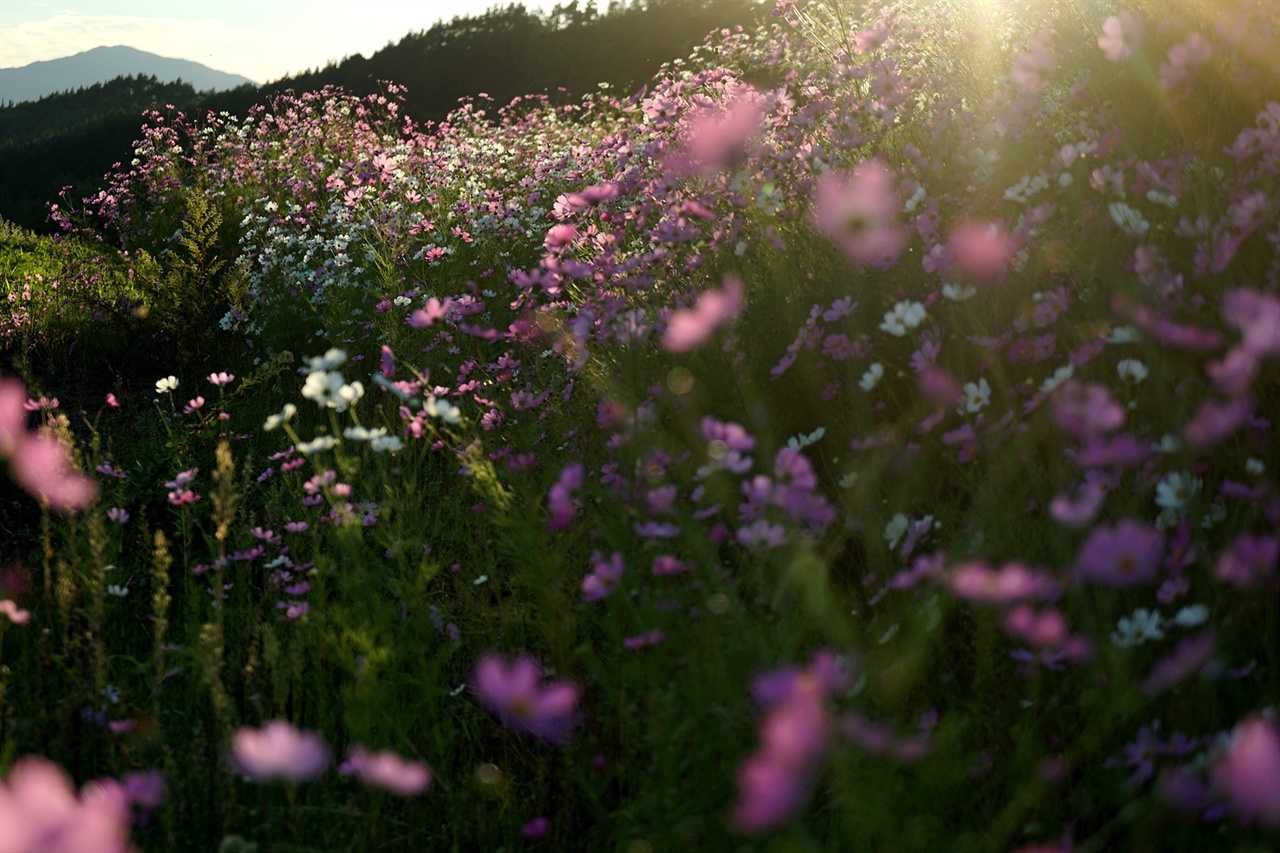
689	327
512	692
1249	771
856	210
39	811
278	751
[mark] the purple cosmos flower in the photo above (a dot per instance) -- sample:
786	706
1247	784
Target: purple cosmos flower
386	770
1122	555
604	577
536	828
514	694
278	751
560	496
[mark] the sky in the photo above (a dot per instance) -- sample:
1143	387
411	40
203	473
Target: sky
263	40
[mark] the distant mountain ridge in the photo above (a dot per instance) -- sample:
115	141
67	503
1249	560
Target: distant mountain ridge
34	81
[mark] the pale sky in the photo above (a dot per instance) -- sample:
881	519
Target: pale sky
260	39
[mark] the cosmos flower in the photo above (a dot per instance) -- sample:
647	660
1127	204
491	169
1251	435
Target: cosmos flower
513	692
278	752
386	770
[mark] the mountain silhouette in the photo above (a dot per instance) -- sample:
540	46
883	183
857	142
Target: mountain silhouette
34	81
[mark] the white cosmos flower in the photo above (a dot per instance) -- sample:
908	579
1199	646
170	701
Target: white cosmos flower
442	409
386	444
904	316
1131	370
1123	335
317	445
872	377
348	395
976	396
359	433
323	386
1129	220
959	292
1062	374
331	359
119	591
799	442
286	415
169	383
894	530
1176	489
1137	629
1191	616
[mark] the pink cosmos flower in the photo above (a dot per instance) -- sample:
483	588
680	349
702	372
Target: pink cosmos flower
436	309
689	327
15	614
220	379
1257	316
1121	36
1183	60
13	415
1250	560
41	465
857	211
1248	773
1122	555
775	780
977	581
41	813
718	137
514	694
386	770
1079	510
278	751
980	250
1214	422
1031	69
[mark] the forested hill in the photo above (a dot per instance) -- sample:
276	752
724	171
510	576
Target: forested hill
73	138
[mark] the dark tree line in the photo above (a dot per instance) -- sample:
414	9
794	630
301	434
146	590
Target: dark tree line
74	138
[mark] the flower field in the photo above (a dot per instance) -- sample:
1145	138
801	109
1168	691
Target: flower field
861	438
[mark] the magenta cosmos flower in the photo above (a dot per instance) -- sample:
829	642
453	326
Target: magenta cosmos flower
1125	554
514	694
278	751
40	811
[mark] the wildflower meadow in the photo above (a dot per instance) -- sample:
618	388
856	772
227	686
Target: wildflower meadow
862	437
